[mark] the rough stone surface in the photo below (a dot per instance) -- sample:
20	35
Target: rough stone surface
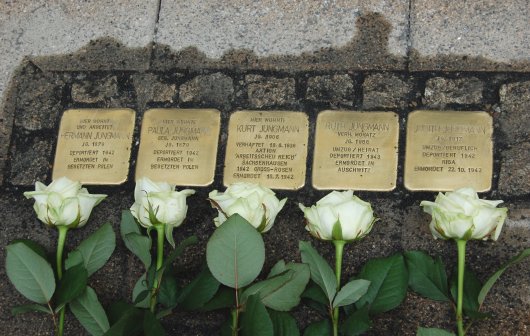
273	28
440	91
43	27
30	160
40	104
456	35
514	179
269	91
333	88
216	89
149	88
515	111
386	91
95	91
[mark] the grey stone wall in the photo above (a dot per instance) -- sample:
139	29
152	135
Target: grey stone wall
41	92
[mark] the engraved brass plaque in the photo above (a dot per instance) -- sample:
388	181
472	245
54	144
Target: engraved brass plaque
447	150
94	145
179	146
267	147
356	150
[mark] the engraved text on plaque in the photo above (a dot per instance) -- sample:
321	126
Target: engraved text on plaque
447	150
94	145
356	150
179	146
267	147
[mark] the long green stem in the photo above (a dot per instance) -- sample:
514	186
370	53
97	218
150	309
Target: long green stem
159	261
339	248
63	230
461	245
235	315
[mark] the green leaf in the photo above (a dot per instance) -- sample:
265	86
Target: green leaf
389	279
36	247
128	224
31	307
152	326
491	281
315	293
321	272
433	332
72	284
224	298
201	290
255	321
127	320
137	243
173	255
90	313
283	323
356	323
281	292
30	273
74	258
235	252
472	288
98	248
320	328
351	292
427	275
141	289
169	292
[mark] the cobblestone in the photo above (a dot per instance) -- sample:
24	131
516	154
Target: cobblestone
95	91
514	178
440	91
515	111
385	91
330	88
269	91
216	89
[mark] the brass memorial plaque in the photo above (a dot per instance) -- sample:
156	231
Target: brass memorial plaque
356	150
94	145
447	150
267	147
179	146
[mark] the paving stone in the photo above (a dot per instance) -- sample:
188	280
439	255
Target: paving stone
514	178
269	91
515	106
95	91
149	88
30	160
457	35
440	91
39	104
51	27
216	27
386	91
318	32
330	88
215	90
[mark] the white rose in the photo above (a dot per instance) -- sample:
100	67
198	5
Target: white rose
460	214
63	203
339	216
257	204
159	203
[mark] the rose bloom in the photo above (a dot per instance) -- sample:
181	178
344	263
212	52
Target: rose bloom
158	203
63	203
257	204
339	216
460	214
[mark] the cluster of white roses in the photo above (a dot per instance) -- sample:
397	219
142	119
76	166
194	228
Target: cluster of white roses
337	216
